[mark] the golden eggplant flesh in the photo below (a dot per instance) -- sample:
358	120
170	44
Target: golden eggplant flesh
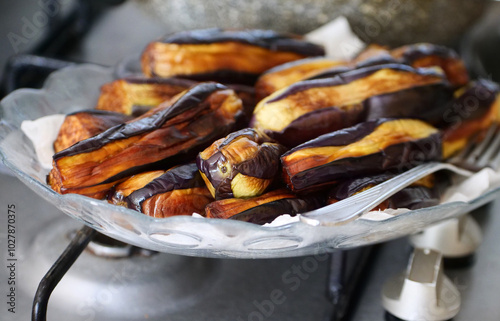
85	124
474	110
119	193
264	208
136	95
425	192
241	165
223	55
311	108
421	55
365	149
287	74
203	114
177	191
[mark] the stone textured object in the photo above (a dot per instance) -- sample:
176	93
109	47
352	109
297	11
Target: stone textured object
388	22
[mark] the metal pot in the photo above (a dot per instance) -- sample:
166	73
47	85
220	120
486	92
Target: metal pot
388	22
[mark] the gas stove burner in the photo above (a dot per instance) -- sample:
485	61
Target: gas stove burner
116	281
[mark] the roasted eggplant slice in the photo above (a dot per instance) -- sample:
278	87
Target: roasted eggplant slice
178	191
365	149
287	74
429	55
85	124
243	164
224	56
372	51
247	96
262	209
311	108
475	108
119	193
203	114
423	193
420	55
136	95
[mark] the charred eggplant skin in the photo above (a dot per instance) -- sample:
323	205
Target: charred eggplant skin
177	178
264	208
420	55
204	113
289	73
472	102
365	149
311	108
84	124
267	39
222	55
118	194
424	193
428	55
136	95
243	164
475	108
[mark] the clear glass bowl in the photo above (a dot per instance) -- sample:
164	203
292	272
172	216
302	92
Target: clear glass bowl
77	88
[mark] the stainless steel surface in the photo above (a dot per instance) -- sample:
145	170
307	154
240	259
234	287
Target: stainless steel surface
159	287
479	285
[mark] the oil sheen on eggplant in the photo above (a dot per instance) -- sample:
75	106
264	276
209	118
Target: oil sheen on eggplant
264	208
423	193
175	134
365	149
136	95
85	124
177	191
475	108
228	56
421	55
311	108
243	164
287	74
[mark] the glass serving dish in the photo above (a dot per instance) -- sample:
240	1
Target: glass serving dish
77	88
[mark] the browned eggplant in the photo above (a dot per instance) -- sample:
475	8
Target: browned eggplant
136	95
264	208
119	193
423	193
475	108
223	55
372	51
430	55
243	164
311	108
287	74
203	114
85	124
247	96
420	55
160	194
364	149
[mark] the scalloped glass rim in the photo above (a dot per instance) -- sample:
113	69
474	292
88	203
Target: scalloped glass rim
75	88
